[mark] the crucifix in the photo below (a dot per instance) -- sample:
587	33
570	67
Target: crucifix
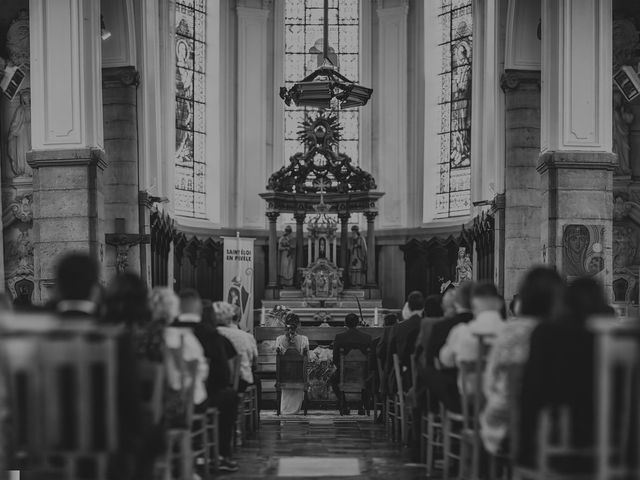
123	242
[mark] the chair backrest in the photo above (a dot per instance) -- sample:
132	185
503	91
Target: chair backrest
381	377
468	392
152	379
617	381
62	379
291	370
514	386
236	372
354	371
414	369
397	373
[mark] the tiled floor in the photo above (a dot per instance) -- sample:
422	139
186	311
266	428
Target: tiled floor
322	445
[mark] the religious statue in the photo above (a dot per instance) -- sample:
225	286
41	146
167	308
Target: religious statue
286	248
357	258
307	285
464	267
19	136
622	118
336	286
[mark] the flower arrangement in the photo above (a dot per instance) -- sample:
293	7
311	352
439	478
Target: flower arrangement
277	316
321	369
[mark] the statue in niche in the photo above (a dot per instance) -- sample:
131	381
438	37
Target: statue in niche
464	267
16	114
19	136
307	285
357	258
622	119
286	248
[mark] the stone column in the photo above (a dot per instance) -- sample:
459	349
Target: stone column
498	211
344	244
300	217
391	102
521	201
272	286
252	111
121	178
371	249
67	154
576	162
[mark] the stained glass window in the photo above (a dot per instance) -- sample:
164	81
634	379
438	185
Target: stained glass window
303	54
190	162
453	194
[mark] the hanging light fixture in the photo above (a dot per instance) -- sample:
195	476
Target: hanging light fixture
326	88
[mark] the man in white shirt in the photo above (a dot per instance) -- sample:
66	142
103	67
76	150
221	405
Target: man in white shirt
227	316
462	343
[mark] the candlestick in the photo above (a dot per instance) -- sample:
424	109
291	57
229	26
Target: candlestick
263	317
375	316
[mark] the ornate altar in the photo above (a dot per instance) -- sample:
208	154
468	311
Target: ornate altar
323	182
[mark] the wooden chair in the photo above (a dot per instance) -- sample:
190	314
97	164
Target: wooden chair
403	413
431	438
291	373
354	372
63	397
617	380
554	442
378	397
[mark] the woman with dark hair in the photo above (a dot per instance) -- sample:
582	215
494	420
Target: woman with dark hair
292	399
538	298
126	301
559	370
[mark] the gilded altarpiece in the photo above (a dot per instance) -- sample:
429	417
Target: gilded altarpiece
17	182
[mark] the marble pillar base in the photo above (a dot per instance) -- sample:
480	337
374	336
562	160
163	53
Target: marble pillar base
68	210
577	214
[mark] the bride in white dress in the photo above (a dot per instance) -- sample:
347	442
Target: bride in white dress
292	399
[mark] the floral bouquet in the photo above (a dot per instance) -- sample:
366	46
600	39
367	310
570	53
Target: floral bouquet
321	369
277	315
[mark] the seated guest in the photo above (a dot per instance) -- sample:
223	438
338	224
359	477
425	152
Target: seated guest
244	343
403	337
181	343
376	345
559	370
220	354
292	399
462	341
352	339
126	303
383	347
78	291
77	287
435	307
442	382
539	297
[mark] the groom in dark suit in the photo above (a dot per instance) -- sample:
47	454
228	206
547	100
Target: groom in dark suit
352	339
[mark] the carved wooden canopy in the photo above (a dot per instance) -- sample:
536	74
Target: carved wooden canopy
321	170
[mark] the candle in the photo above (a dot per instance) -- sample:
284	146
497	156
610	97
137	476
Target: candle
375	317
263	317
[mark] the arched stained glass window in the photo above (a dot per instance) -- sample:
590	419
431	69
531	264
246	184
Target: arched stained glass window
303	54
453	194
190	161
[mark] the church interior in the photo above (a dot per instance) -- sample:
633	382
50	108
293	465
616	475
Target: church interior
319	239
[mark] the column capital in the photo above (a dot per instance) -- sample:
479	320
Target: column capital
273	216
577	161
344	216
117	77
300	217
67	157
511	80
371	216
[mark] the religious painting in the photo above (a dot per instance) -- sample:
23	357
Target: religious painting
583	250
190	105
453	194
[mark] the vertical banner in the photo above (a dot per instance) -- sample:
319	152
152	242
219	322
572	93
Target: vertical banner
238	277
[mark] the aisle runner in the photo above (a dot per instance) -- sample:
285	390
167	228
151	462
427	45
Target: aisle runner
298	467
